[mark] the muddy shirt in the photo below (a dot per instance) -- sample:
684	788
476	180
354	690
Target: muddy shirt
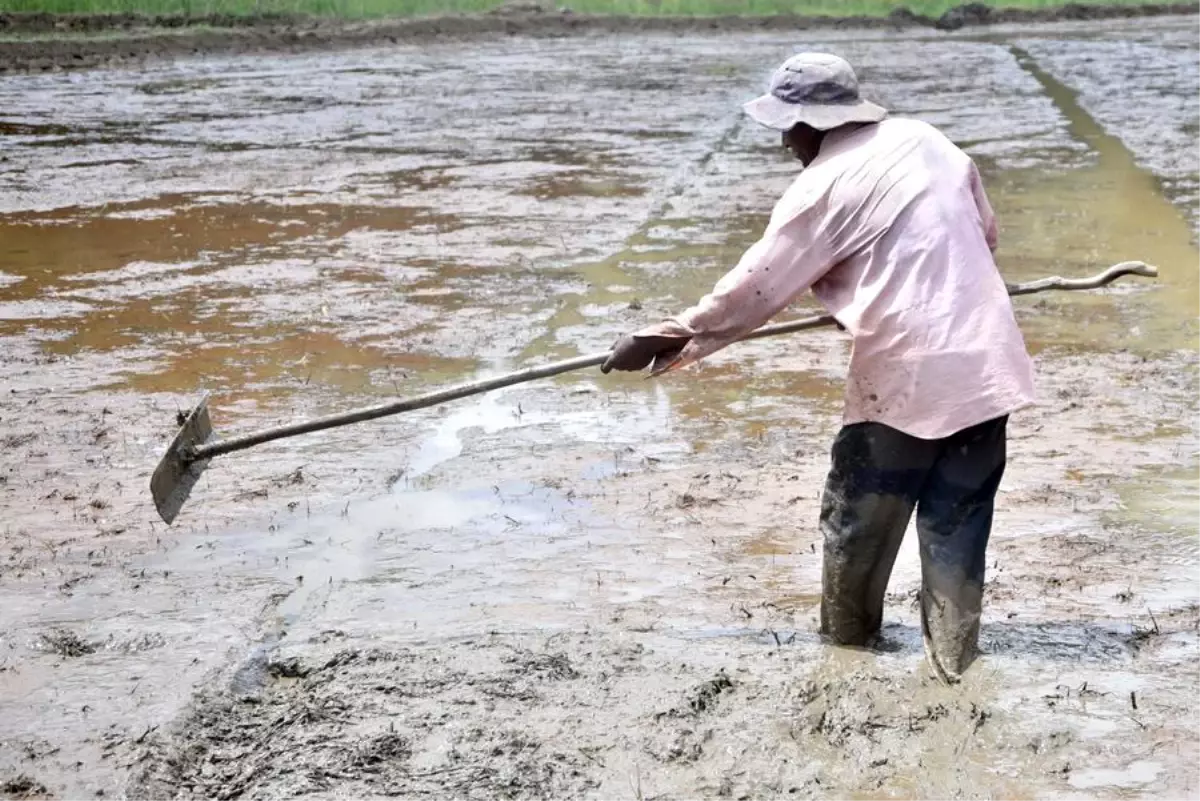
890	228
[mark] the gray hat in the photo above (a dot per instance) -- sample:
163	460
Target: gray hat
816	89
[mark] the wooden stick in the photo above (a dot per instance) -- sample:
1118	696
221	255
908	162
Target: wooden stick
591	360
1095	282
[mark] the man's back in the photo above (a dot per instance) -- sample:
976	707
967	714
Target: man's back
908	233
890	228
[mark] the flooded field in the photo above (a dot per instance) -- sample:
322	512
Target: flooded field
592	586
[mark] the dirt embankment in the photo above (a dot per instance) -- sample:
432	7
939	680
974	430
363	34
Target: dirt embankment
64	41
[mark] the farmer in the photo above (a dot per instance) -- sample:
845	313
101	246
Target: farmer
889	226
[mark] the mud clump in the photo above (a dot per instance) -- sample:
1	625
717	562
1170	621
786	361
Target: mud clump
707	693
683	742
291	668
551	666
23	786
961	16
841	711
65	643
703	698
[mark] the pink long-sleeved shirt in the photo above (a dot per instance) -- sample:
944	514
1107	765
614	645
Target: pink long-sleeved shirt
891	229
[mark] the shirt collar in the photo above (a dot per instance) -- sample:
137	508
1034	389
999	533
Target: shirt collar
835	137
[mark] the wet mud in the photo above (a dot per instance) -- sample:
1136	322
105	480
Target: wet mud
593	586
51	42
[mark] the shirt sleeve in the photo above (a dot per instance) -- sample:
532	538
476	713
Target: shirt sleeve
791	256
986	216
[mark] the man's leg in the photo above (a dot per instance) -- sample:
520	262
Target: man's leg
875	480
954	522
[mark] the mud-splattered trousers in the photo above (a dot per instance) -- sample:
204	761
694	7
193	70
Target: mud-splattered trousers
879	476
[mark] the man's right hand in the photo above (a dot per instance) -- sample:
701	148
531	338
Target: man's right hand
634	352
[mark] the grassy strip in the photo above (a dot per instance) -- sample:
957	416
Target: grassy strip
353	9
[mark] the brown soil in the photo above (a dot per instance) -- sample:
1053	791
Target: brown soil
149	37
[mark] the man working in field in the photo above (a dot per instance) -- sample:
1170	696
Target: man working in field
889	226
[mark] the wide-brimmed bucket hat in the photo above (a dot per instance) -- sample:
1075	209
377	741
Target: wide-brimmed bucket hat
816	89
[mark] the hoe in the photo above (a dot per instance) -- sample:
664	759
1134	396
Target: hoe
195	445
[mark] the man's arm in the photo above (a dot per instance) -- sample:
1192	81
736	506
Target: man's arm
986	216
789	258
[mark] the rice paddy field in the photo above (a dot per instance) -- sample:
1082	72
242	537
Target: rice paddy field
593	586
405	8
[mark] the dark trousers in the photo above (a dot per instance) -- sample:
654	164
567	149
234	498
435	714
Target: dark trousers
879	476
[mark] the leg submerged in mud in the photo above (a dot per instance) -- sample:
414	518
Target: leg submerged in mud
954	523
873	486
879	475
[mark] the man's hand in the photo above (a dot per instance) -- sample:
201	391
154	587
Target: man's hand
633	352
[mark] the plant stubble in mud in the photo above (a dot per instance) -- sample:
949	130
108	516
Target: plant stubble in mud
314	727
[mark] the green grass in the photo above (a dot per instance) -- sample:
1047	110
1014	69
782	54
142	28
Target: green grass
402	8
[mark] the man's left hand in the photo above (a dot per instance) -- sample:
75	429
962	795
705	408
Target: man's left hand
634	352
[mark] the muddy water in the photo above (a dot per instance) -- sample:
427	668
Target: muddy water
1122	208
593	585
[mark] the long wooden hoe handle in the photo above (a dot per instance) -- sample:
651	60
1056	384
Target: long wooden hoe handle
436	397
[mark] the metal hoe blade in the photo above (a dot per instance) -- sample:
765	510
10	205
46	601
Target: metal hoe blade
178	471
